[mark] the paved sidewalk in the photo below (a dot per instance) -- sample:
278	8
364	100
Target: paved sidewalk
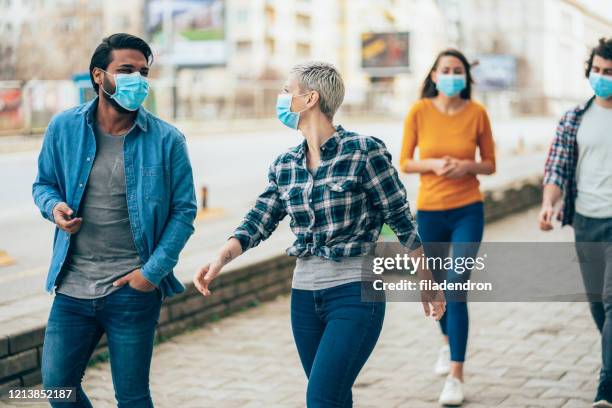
520	355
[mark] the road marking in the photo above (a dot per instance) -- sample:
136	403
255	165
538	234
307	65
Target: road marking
22	274
6	259
208	214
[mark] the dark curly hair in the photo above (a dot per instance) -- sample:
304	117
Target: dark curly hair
603	49
102	56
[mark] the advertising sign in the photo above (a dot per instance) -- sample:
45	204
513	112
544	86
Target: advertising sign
495	72
188	32
385	53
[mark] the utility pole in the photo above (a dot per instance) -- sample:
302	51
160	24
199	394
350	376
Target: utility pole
169	69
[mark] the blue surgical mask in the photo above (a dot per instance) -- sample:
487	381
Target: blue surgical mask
130	90
450	84
601	84
283	110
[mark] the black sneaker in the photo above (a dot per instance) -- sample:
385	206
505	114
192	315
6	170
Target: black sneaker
604	395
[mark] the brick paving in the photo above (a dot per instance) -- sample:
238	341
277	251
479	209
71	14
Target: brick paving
520	355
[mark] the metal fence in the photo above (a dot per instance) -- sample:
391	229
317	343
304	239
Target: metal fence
27	107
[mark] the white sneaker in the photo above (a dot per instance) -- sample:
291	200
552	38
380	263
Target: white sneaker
452	393
443	364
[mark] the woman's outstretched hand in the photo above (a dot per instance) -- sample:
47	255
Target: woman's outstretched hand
205	275
434	303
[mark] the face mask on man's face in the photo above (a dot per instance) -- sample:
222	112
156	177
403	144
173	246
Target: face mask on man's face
130	90
601	84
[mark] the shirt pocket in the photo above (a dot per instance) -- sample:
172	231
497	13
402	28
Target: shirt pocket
343	201
342	186
154	182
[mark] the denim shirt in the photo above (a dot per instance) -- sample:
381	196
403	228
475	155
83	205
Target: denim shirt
159	188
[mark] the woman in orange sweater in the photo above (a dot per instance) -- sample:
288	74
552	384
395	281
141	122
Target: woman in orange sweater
448	128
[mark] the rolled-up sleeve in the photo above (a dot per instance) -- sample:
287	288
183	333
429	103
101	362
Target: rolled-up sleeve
179	226
261	221
555	169
388	195
46	190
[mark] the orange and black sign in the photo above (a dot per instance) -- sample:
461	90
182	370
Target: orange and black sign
385	51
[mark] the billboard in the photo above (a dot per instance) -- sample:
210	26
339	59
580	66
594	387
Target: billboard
495	72
187	33
385	53
11	100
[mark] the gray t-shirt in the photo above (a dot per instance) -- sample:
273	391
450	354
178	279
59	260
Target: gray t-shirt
103	250
316	273
594	168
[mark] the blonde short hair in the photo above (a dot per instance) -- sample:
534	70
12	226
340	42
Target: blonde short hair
326	80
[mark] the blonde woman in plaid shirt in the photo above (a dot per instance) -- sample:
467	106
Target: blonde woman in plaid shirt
338	188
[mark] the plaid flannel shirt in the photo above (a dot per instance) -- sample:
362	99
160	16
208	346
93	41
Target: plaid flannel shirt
339	210
560	168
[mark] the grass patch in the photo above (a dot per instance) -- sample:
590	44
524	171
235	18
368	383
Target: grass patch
99	358
202	35
387	232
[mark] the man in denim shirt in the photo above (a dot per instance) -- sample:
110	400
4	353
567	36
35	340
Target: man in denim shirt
118	184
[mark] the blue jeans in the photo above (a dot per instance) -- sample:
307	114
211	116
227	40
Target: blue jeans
334	332
128	317
460	228
594	248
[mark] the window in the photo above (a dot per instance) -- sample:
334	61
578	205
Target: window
244	46
303	50
67	24
270	45
303	20
270	14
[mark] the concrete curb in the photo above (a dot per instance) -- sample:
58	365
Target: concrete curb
512	198
20	353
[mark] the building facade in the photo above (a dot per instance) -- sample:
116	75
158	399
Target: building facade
550	40
262	39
